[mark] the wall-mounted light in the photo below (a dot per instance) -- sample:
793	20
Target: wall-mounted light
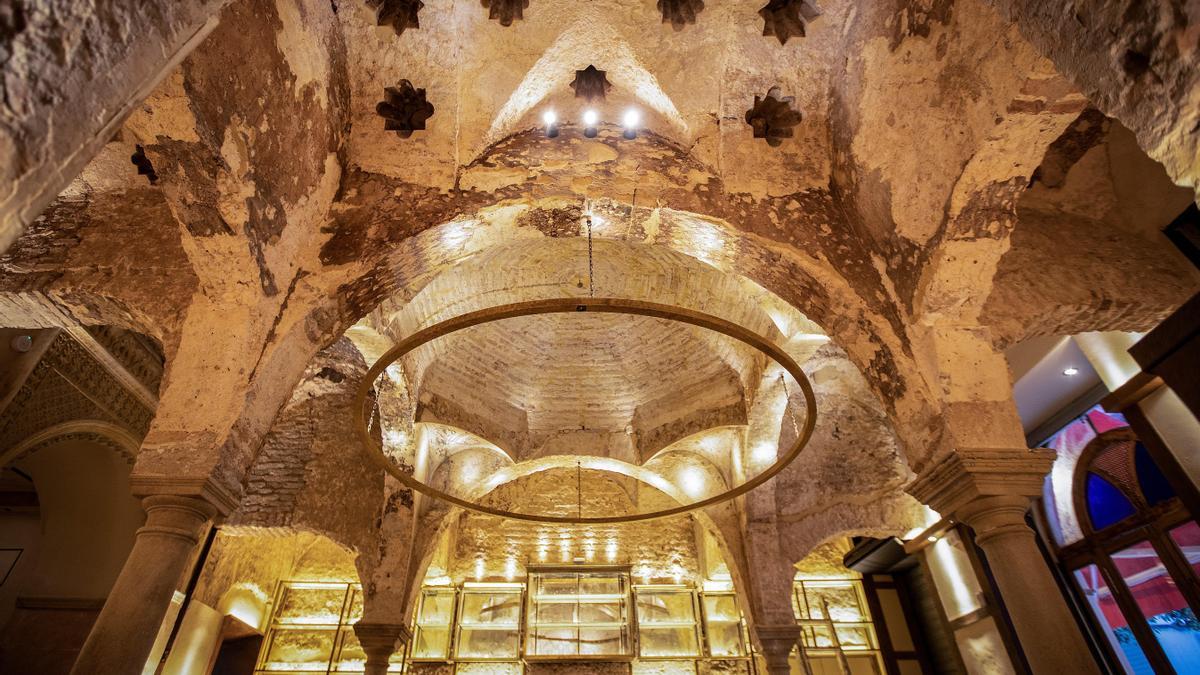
550	119
631	120
590	119
1070	371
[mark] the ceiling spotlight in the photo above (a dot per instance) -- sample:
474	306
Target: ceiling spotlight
551	121
1070	371
631	120
590	119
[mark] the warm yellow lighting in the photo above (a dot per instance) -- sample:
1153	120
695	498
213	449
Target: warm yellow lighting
610	550
763	453
693	480
510	568
479	569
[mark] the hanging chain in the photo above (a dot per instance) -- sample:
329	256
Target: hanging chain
787	397
591	267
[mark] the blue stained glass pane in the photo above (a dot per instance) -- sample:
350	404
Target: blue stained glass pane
1106	504
1151	480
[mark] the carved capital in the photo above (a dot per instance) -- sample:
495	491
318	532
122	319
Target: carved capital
207	490
777	642
174	517
380	640
970	474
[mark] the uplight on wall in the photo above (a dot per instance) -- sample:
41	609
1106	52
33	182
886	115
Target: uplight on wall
630	121
550	119
590	119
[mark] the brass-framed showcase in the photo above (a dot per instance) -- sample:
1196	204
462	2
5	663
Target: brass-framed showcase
312	630
577	613
837	631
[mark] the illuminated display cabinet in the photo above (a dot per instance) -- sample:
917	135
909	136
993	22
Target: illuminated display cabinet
489	623
494	628
838	635
431	628
312	630
667	622
578	615
724	625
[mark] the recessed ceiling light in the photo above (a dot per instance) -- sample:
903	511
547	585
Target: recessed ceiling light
1070	371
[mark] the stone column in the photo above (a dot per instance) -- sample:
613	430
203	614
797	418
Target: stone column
124	632
776	643
990	491
379	641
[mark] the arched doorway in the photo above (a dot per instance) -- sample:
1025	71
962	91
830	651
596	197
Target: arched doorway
69	542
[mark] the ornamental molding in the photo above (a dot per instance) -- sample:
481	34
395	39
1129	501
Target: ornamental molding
112	436
77	387
970	474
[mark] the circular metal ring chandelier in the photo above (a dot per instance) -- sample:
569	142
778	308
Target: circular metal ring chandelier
566	305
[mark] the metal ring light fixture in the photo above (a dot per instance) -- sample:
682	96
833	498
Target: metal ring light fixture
566	305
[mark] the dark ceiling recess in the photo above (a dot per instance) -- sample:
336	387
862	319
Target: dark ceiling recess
1184	232
404	109
399	14
591	84
506	11
772	117
679	13
784	19
878	556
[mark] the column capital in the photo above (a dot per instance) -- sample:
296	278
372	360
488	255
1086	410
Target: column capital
378	636
777	642
969	474
222	500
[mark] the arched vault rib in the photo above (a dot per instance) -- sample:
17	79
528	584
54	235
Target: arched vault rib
816	268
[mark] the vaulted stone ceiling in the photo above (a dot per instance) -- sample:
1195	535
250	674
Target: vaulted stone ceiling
269	209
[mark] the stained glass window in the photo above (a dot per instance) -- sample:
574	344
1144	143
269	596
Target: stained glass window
1106	505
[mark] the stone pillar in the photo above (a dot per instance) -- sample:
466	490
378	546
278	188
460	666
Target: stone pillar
990	491
776	643
379	641
124	632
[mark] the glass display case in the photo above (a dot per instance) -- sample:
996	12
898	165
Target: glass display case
724	626
575	615
837	633
431	627
666	618
312	630
489	623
